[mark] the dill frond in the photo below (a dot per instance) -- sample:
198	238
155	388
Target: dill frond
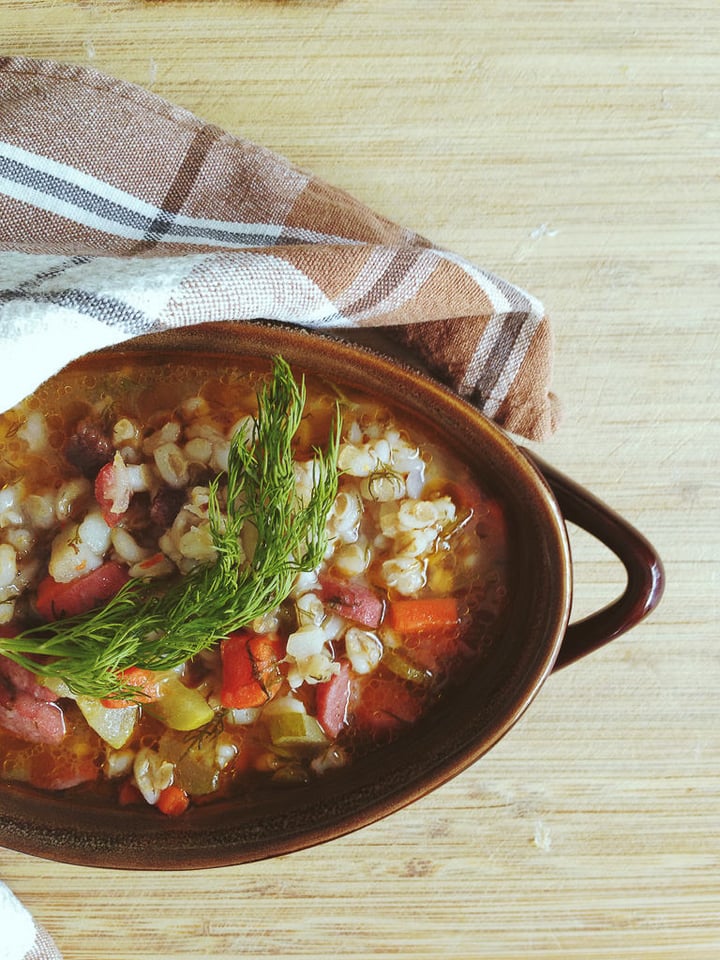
155	630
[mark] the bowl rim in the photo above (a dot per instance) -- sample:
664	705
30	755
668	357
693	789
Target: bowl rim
76	834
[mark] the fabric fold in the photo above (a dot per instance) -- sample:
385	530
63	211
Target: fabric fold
22	937
122	214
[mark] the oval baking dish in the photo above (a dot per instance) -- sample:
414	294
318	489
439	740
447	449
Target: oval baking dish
536	639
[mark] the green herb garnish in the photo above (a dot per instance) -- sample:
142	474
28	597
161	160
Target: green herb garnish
263	540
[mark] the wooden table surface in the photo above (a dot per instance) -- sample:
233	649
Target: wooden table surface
573	148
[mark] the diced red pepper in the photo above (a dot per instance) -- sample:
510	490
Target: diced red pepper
56	600
332	700
251	668
354	601
146	566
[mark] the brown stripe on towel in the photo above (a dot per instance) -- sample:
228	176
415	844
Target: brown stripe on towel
182	184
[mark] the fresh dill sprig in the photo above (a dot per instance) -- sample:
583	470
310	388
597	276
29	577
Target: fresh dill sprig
197	739
266	536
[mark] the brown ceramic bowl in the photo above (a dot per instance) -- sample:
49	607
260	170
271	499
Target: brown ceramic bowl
268	821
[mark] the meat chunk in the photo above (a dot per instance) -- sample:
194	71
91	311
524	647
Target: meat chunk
21	680
352	600
28	709
89	448
56	600
37	721
166	505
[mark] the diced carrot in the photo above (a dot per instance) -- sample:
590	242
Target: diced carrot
146	682
414	616
354	601
251	668
332	701
386	706
173	801
56	600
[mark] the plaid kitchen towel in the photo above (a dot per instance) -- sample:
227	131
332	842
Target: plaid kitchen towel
22	937
122	214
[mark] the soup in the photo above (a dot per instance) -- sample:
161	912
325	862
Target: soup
213	574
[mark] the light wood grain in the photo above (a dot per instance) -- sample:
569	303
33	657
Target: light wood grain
572	147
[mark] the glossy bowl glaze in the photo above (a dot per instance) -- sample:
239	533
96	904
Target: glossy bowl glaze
269	821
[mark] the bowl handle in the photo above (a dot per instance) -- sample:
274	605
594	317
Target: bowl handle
645	575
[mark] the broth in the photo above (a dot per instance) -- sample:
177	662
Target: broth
107	480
